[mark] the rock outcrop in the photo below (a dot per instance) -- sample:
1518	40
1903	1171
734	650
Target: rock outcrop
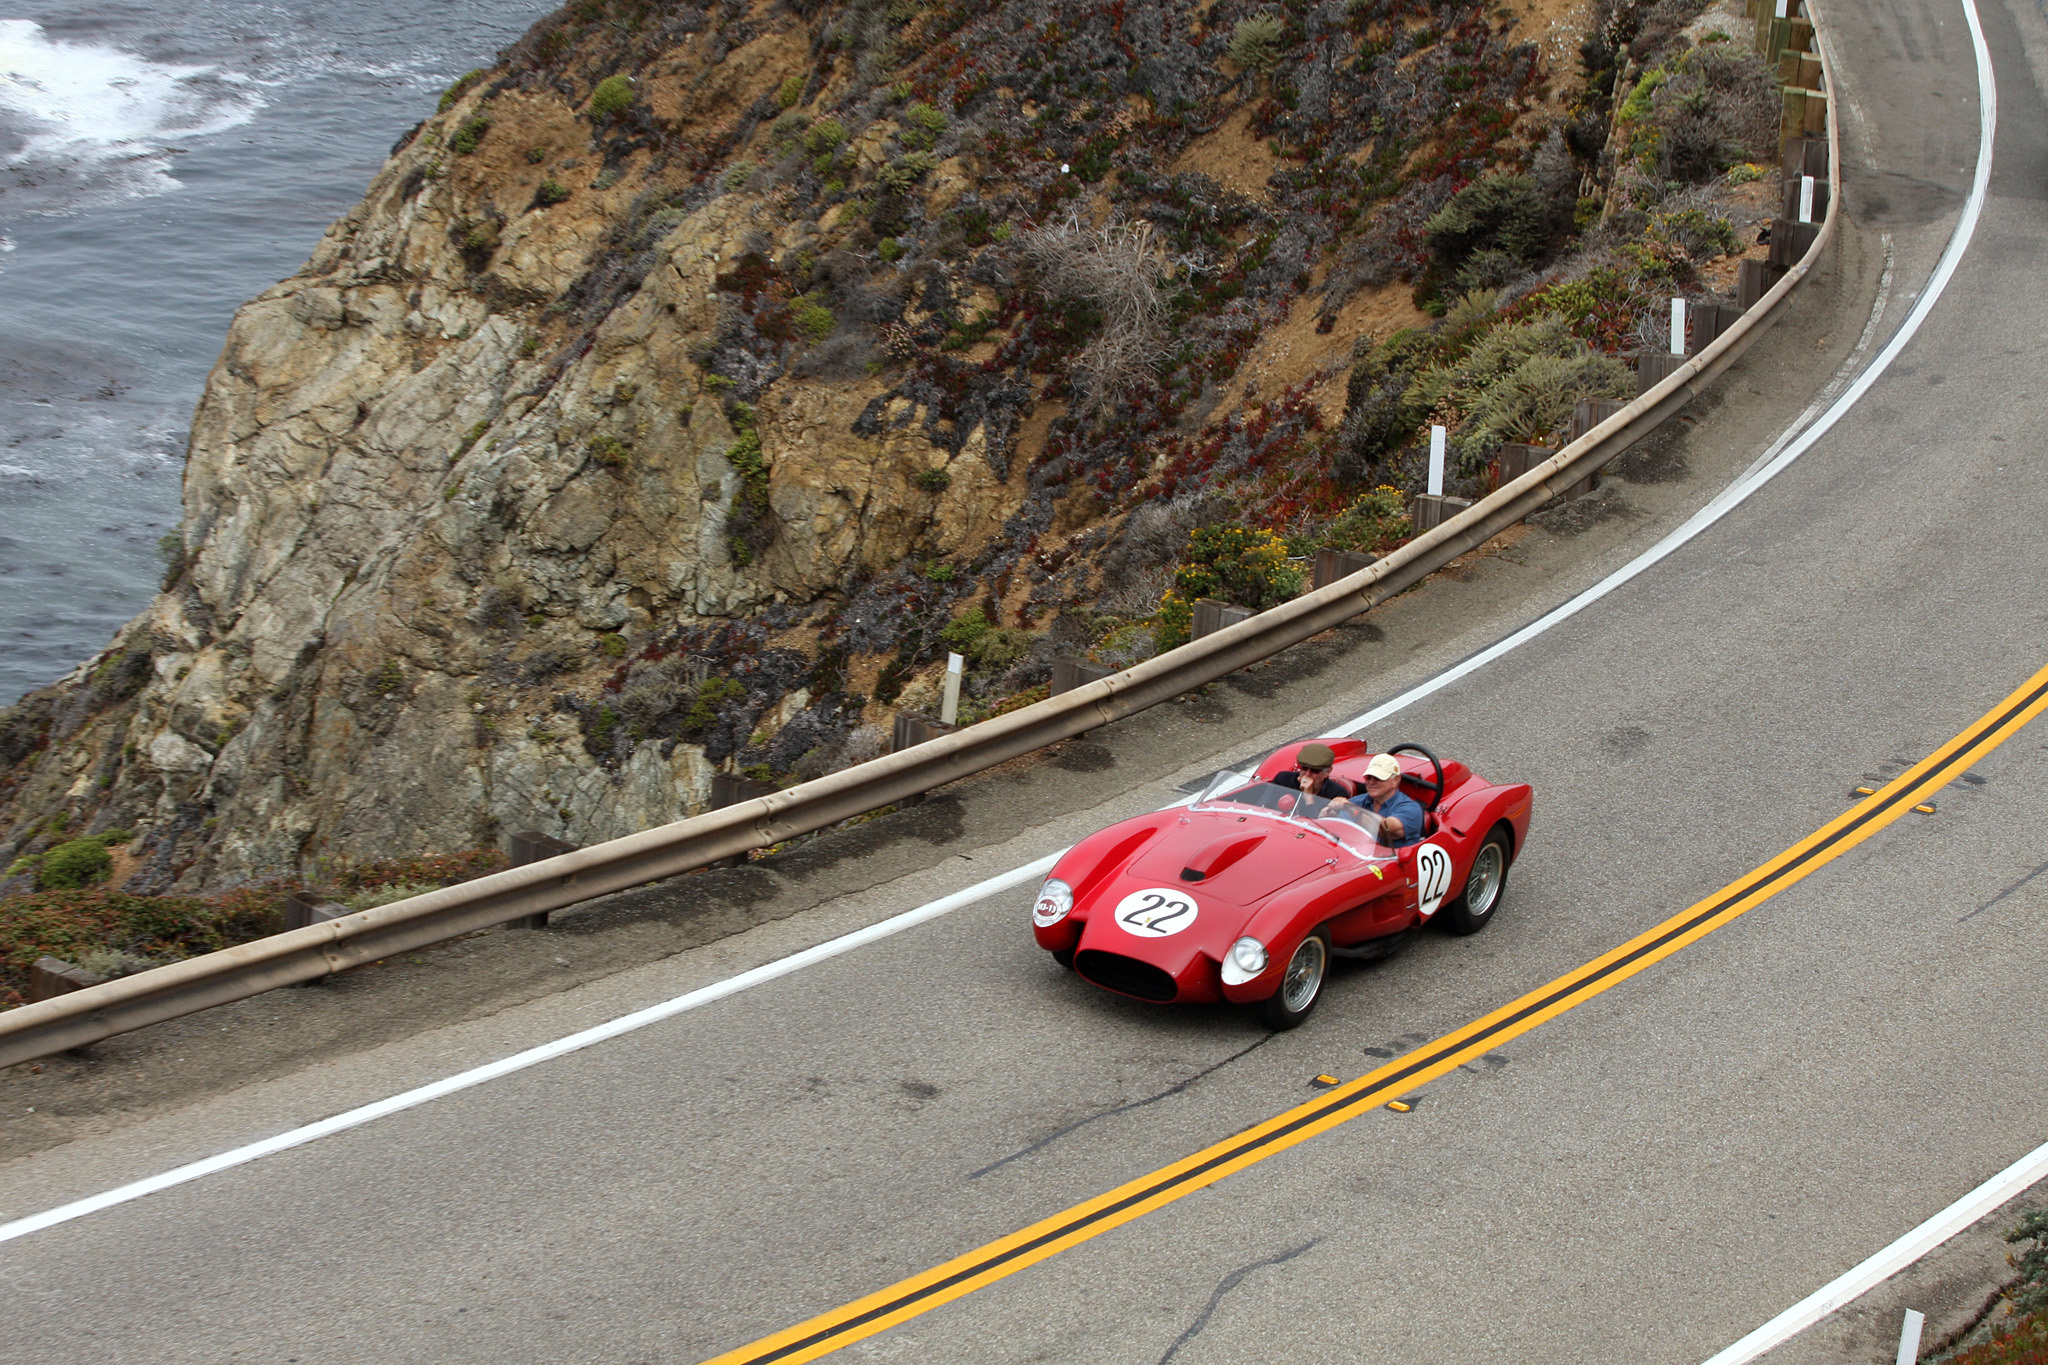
679	381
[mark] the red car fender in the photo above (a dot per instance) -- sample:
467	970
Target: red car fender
1477	809
1281	924
1085	866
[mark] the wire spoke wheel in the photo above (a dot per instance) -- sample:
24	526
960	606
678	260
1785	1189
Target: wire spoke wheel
1474	907
1482	888
1301	983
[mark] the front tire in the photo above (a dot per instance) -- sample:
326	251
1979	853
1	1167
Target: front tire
1474	908
1301	984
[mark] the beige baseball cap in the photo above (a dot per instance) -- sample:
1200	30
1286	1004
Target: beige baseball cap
1382	767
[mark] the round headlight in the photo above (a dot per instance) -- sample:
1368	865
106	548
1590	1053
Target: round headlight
1249	954
1055	898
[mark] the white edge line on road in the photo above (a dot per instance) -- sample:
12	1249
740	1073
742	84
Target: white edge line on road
518	1061
1845	1289
1718	507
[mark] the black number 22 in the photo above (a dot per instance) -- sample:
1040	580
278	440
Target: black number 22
1155	901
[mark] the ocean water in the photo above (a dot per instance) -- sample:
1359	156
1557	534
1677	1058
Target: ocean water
159	165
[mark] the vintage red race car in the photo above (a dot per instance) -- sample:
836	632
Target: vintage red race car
1246	893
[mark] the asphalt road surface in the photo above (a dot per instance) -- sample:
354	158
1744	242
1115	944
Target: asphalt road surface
1643	1179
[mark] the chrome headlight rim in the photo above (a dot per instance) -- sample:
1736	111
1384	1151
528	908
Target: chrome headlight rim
1246	959
1055	902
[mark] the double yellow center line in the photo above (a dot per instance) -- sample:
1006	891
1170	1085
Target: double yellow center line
923	1292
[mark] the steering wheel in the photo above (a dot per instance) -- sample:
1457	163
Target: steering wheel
1436	788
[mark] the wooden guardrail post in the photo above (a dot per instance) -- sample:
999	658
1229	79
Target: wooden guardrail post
1211	616
1332	565
531	846
51	977
1069	673
1432	510
729	789
1517	458
302	908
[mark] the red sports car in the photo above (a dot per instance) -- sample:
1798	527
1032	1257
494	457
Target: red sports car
1246	893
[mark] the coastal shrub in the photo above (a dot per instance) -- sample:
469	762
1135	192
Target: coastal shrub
612	646
900	174
922	125
171	549
1236	564
76	863
1375	523
612	97
1502	214
1256	43
750	520
984	644
824	136
75	924
889	249
1716	107
1697	233
457	90
536	155
550	191
610	451
812	318
789	92
738	174
1380	415
472	131
934	480
1518	382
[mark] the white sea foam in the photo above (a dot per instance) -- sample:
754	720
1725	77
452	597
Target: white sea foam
99	119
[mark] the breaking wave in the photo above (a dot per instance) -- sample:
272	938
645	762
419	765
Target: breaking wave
80	121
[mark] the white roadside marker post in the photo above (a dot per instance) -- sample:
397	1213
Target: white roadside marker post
1436	461
949	708
1678	326
1805	198
1909	1336
1783	5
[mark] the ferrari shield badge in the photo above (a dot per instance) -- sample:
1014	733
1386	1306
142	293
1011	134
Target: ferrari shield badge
1155	913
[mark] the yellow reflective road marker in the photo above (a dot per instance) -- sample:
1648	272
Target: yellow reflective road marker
1398	1107
1005	1256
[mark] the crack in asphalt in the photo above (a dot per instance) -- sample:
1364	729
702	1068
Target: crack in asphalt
1170	1091
2003	894
1228	1283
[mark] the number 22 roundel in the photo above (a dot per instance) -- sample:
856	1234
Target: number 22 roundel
1155	913
1432	878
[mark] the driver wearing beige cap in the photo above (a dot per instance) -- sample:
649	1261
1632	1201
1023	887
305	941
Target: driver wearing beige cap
1398	814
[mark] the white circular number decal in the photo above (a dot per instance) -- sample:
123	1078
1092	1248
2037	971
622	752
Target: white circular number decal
1155	913
1432	877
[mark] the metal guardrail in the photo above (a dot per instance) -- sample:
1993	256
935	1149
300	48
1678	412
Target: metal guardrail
354	940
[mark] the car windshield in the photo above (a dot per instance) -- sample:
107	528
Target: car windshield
1354	830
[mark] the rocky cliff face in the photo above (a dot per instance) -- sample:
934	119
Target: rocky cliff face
678	382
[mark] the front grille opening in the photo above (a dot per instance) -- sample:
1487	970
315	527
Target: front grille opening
1115	972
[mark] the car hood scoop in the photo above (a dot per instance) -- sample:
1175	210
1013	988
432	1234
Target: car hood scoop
1227	860
1216	857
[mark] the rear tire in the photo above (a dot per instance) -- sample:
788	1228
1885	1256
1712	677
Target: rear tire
1301	984
1485	884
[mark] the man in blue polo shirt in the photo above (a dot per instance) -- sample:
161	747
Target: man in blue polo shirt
1398	815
